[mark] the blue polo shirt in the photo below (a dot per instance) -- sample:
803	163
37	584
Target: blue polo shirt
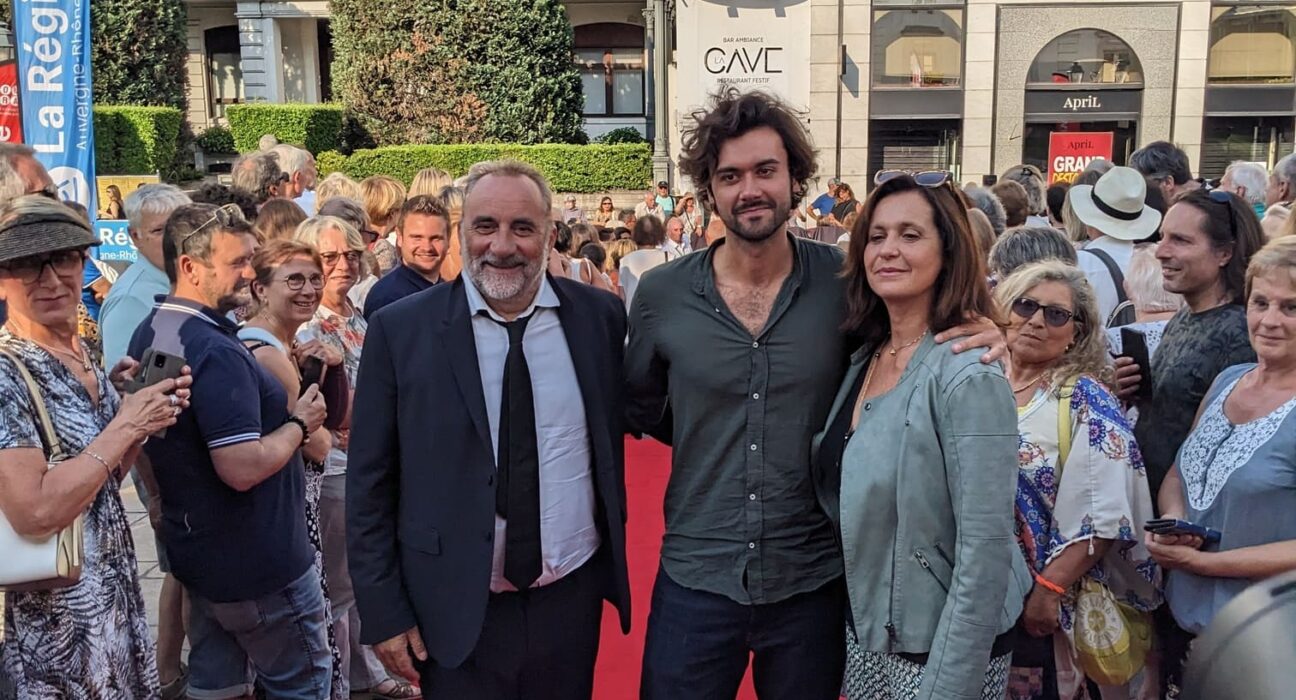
223	544
824	203
394	286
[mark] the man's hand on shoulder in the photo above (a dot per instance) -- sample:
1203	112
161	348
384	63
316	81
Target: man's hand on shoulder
398	653
981	333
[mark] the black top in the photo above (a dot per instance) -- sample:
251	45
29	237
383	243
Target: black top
844	209
223	544
742	518
395	285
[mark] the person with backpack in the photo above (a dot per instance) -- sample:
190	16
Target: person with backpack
1081	495
1116	217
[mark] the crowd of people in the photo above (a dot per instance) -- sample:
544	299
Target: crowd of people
920	442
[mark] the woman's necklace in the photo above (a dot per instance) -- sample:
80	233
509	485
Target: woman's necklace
83	358
895	349
1027	385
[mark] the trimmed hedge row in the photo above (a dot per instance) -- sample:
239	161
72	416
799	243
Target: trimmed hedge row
317	128
568	168
135	140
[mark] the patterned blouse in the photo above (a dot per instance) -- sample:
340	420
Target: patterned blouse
90	640
345	334
1102	493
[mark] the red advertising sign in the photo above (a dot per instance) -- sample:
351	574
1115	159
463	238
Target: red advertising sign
10	113
1070	152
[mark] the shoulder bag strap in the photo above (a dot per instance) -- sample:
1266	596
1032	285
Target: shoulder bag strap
1064	423
53	447
1118	277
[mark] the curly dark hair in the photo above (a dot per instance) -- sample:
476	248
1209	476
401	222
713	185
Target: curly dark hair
218	194
732	115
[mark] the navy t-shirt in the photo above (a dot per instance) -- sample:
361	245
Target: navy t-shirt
394	286
223	544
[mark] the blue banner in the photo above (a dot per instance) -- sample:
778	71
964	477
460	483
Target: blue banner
116	245
53	42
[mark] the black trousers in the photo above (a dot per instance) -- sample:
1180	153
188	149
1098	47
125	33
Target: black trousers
538	644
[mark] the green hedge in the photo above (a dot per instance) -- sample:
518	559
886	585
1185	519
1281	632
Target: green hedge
317	128
568	168
135	140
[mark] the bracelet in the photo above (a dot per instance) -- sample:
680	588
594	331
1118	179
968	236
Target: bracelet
300	424
1049	585
101	460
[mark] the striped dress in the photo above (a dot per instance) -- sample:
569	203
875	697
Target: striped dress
89	641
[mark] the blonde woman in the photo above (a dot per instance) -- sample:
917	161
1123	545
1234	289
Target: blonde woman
452	198
430	182
383	198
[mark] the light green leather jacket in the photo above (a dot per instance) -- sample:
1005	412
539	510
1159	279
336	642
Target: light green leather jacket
923	502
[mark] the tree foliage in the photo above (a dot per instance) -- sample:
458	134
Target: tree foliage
138	52
458	71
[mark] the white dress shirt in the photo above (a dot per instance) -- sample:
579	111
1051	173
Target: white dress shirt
1099	276
568	536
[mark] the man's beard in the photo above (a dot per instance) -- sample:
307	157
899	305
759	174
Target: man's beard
499	285
225	302
757	231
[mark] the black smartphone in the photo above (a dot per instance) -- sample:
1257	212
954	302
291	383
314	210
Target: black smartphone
312	372
156	366
1134	346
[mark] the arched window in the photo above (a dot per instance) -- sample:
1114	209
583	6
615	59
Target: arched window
918	47
1252	44
610	56
224	73
1086	56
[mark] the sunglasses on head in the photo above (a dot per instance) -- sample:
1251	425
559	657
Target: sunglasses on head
1222	197
1054	316
926	178
226	216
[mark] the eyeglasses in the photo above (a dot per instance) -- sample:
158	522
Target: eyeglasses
298	280
926	178
1222	197
64	263
371	235
1054	316
330	259
226	216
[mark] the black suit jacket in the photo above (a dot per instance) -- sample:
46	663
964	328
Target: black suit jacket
421	471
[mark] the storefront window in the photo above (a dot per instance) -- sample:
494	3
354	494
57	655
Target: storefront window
918	47
611	62
1086	56
224	69
1252	44
1253	139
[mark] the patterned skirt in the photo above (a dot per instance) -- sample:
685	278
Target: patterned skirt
872	675
340	687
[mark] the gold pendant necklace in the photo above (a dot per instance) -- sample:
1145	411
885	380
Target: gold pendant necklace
895	349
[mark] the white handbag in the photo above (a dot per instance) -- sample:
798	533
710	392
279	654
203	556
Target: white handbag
54	561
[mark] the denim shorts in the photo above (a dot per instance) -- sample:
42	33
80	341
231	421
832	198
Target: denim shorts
279	640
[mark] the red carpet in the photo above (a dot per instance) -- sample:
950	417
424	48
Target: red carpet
620	657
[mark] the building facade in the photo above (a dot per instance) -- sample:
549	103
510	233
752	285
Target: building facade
973	86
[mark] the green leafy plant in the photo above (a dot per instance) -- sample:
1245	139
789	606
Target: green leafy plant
217	139
316	128
458	71
624	134
139	49
569	168
132	140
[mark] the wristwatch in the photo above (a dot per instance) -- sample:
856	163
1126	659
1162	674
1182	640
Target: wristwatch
300	424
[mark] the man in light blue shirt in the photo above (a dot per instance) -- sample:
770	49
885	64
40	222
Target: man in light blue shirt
131	298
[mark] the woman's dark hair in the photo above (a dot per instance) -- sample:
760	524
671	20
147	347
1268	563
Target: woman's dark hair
1015	200
732	115
596	254
845	188
279	218
649	232
1232	227
961	292
606	235
1056	196
562	237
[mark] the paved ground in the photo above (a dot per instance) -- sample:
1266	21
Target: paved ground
145	551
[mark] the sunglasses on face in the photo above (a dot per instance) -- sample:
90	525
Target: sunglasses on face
298	280
1054	316
926	178
64	263
226	216
330	259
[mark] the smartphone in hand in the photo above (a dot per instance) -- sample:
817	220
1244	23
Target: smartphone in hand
1134	346
156	366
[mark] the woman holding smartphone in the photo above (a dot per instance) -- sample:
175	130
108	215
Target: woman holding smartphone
285	294
1235	472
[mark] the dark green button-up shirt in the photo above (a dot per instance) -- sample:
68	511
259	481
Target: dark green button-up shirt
742	519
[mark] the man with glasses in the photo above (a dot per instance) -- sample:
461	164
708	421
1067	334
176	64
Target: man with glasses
422	236
259	175
129	302
230	476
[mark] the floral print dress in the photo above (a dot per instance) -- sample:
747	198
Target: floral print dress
1100	491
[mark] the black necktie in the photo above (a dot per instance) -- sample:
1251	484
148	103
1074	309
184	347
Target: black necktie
517	496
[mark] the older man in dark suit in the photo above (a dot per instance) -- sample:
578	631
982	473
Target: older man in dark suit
486	483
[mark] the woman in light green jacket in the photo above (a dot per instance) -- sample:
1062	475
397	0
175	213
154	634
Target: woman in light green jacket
918	463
